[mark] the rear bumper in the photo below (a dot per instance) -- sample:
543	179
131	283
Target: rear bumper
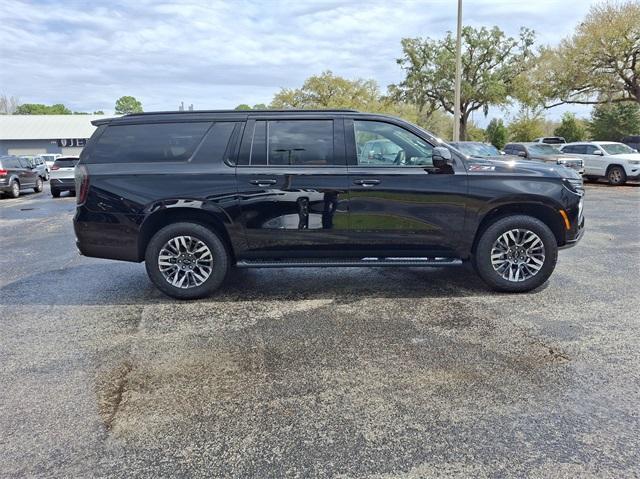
106	236
63	184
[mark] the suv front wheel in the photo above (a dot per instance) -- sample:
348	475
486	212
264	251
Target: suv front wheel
516	254
186	260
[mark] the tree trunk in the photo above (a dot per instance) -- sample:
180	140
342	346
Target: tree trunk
464	118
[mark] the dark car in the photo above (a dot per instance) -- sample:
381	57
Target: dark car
632	141
545	153
18	174
195	193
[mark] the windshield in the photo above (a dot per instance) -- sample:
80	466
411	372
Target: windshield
543	149
477	149
616	148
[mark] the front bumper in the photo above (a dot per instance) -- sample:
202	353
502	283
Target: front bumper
573	240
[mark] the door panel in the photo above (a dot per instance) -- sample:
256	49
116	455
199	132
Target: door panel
293	195
403	205
409	209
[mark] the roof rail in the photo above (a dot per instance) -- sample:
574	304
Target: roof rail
296	110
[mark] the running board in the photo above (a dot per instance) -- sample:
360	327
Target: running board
347	262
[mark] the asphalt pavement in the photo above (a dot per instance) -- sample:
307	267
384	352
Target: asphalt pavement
354	372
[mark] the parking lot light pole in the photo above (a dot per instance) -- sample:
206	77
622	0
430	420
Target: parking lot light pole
456	107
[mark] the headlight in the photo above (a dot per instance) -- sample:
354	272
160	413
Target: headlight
574	185
633	162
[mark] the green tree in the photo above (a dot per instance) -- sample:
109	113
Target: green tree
40	109
496	133
128	104
599	63
98	112
491	62
243	106
526	126
260	106
330	91
613	121
569	128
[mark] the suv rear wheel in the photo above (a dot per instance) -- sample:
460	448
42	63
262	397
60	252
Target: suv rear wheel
186	260
14	190
516	254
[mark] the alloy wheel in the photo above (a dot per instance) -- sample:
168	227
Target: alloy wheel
185	262
615	175
517	255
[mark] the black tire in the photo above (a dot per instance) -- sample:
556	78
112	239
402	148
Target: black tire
590	178
55	193
482	256
616	176
39	185
219	253
14	192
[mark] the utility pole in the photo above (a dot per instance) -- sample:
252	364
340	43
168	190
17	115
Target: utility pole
456	107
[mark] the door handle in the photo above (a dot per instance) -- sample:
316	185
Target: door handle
263	182
368	182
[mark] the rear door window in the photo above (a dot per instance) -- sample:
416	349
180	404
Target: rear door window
148	143
300	143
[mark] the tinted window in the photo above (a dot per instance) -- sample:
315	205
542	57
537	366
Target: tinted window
589	149
384	144
66	163
258	154
151	142
8	163
214	146
300	142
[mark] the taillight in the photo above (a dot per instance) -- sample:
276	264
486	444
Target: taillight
82	183
55	167
4	172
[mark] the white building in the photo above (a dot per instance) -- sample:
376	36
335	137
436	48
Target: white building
36	134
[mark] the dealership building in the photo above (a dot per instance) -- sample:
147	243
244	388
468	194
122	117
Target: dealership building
37	134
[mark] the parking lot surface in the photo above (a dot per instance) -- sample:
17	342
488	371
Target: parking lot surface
318	372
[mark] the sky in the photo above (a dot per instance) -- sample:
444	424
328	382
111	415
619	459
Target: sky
220	54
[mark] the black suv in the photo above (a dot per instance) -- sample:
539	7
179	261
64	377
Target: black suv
195	193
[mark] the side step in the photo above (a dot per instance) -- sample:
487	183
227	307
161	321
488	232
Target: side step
347	262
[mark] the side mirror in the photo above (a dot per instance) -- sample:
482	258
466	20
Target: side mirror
523	154
598	152
441	157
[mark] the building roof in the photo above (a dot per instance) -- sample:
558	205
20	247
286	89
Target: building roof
46	127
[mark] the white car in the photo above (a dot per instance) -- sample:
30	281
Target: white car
616	162
49	158
551	140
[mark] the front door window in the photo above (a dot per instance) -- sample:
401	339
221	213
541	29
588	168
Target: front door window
383	144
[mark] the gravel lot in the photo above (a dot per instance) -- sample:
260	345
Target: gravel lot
318	372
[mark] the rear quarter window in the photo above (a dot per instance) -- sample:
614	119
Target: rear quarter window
147	143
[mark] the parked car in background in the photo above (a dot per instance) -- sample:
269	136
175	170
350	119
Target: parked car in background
39	164
62	175
546	153
632	142
17	174
616	162
195	193
49	158
550	140
379	152
479	150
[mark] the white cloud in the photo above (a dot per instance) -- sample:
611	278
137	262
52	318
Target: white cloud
219	54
